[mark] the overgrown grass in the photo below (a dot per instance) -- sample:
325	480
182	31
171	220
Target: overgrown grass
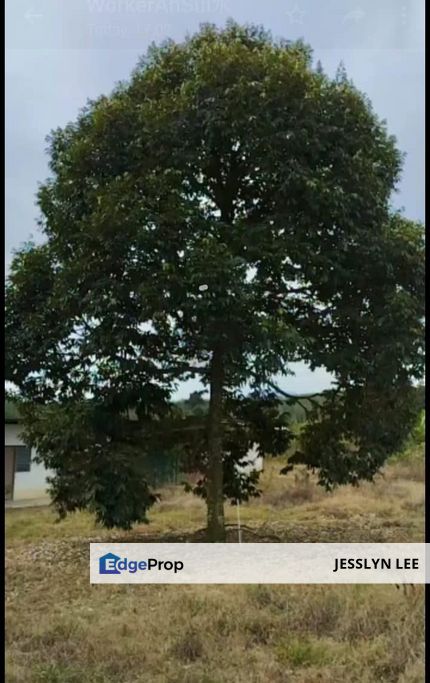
60	629
389	509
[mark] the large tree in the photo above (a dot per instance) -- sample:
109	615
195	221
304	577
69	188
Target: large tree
223	214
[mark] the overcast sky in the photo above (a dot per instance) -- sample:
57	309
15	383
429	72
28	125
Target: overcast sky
59	53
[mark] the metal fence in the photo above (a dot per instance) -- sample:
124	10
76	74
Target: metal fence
163	468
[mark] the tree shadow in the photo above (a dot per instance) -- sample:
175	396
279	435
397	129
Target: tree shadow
248	535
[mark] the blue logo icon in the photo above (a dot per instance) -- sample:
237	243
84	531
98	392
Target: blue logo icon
107	564
113	564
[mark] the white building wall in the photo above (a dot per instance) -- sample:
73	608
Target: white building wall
33	484
27	484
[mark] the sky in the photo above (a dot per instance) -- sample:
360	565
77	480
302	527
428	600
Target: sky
60	53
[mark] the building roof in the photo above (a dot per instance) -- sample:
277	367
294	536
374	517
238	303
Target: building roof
11	412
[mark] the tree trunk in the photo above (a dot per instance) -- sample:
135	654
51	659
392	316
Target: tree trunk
214	473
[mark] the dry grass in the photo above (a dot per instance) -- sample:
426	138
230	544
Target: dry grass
60	629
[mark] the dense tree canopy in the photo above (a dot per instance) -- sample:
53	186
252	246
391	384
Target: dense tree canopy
221	215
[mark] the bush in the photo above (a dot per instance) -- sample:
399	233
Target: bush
419	432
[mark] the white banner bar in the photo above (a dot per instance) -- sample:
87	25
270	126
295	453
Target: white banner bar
271	563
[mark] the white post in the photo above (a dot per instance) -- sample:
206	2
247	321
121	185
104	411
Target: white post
239	530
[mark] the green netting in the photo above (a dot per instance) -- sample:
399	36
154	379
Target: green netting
163	468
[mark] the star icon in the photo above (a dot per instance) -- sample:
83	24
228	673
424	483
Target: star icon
295	15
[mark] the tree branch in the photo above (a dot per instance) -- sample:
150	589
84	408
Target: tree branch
308	397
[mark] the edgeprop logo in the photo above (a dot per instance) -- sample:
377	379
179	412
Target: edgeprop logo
114	564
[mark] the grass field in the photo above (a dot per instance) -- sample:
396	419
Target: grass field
60	629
